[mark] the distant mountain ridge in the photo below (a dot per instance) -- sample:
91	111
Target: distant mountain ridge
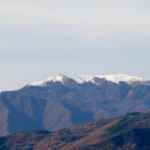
64	102
116	78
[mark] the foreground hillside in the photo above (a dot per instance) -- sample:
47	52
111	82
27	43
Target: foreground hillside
131	132
63	103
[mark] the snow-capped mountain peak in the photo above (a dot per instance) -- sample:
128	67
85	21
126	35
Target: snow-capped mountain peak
122	77
56	78
116	78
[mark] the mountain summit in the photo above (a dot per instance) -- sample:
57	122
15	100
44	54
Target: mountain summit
57	78
122	77
115	78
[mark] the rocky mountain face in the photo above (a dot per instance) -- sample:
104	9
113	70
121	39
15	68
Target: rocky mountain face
131	132
62	102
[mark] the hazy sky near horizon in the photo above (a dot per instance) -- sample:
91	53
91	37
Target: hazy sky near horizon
43	37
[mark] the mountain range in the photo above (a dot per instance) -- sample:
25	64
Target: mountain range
63	102
131	132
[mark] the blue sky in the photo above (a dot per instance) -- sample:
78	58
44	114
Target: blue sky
44	37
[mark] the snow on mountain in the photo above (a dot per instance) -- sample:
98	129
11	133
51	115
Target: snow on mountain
57	78
122	77
116	78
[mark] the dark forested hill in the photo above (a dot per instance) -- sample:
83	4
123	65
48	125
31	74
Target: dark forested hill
131	132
